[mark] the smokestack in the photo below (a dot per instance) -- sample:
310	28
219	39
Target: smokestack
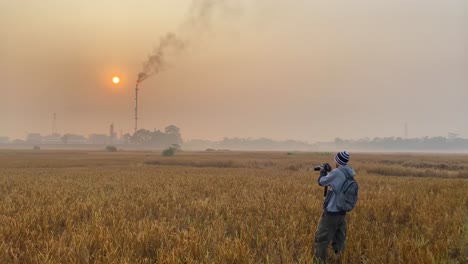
136	104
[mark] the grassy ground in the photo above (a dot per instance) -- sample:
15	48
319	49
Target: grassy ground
224	207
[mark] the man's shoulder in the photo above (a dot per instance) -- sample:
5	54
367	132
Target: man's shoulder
336	171
347	170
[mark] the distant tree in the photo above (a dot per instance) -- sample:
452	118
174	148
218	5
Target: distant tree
172	135
141	136
169	152
364	140
172	130
111	148
156	138
127	138
339	141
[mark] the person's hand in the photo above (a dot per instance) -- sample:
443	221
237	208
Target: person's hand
326	167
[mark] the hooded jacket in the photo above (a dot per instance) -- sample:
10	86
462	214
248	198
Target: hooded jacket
334	180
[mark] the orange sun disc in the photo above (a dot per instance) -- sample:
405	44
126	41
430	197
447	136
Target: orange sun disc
116	80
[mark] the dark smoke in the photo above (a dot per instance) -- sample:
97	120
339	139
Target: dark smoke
197	21
156	62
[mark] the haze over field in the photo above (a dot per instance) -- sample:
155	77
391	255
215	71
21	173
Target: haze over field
307	70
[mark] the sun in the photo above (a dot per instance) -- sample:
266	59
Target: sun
115	79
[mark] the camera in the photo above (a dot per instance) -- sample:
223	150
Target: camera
325	167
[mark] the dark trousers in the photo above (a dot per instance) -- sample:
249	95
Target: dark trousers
331	229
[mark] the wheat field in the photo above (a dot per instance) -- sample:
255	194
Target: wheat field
224	207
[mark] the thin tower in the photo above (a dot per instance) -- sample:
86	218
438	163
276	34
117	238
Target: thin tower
136	105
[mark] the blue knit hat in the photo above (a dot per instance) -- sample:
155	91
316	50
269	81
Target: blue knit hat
342	158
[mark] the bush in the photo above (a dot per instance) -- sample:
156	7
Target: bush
111	148
36	147
169	152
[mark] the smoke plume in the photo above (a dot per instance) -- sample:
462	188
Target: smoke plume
197	21
156	62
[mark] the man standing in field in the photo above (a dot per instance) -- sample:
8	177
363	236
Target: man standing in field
332	225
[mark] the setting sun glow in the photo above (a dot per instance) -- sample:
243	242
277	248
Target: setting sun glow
116	80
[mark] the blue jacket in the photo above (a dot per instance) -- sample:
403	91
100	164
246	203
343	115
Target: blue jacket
334	180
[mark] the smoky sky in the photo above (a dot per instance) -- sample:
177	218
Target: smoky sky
197	21
308	70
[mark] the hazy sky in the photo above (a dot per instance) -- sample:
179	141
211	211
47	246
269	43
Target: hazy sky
308	70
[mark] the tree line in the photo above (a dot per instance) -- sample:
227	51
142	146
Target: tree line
398	143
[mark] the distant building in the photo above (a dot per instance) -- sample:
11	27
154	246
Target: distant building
73	139
52	139
18	141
